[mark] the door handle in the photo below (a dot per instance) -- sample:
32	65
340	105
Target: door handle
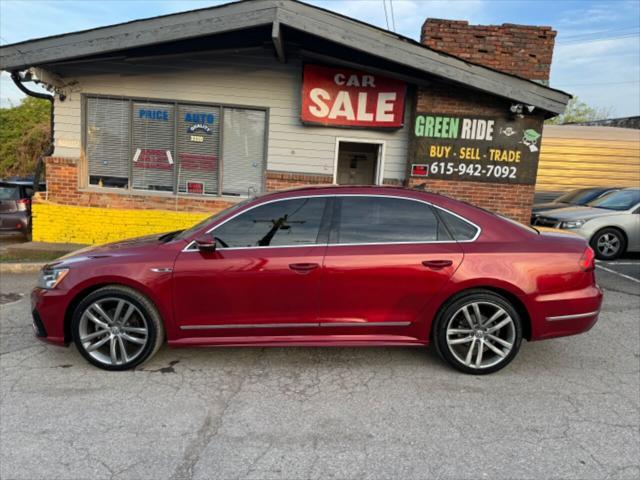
303	267
437	264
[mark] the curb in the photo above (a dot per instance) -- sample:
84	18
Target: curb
25	267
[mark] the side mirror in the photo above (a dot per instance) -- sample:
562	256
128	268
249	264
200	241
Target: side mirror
206	243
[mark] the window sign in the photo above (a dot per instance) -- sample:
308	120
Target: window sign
195	187
198	149
419	170
478	149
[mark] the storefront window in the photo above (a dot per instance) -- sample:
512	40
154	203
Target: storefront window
108	142
199	149
173	147
153	145
243	151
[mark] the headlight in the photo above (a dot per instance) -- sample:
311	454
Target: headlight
51	277
572	224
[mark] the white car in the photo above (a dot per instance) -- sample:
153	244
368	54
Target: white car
611	223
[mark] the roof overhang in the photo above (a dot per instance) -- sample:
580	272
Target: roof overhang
340	30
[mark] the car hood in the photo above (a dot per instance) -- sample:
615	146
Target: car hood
538	207
121	248
579	213
553	232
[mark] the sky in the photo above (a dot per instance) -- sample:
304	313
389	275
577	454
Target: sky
597	53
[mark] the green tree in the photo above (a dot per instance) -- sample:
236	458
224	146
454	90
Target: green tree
578	111
24	136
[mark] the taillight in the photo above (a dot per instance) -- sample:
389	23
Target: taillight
23	204
588	260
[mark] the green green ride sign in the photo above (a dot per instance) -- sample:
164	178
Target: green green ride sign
478	149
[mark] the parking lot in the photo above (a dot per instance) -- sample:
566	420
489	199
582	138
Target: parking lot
565	408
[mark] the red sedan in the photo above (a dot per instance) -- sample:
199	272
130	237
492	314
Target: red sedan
338	266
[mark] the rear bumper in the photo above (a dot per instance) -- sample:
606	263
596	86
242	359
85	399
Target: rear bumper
47	310
567	313
14	222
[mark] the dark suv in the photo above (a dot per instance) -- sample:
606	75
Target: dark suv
15	206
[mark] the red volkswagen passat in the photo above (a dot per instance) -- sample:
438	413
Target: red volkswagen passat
338	266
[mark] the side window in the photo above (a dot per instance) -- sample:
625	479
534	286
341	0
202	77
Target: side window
461	229
387	220
285	223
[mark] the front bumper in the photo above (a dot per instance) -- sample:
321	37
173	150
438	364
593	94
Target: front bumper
48	308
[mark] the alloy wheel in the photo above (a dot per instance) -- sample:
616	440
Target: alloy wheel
113	331
608	244
481	334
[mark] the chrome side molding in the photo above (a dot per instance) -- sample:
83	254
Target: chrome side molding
295	325
573	317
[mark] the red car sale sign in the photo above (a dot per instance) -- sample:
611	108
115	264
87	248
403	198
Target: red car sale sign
351	98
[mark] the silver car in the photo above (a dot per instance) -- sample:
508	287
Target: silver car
611	223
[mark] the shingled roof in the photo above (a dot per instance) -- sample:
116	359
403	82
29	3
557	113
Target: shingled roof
304	19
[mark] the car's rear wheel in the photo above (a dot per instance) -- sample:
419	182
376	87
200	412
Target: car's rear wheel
478	332
608	244
117	328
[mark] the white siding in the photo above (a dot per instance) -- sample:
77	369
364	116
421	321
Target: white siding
241	80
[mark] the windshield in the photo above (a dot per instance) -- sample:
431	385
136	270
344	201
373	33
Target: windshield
579	197
190	231
621	200
8	192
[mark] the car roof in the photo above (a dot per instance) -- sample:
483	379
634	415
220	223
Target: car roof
331	189
18	182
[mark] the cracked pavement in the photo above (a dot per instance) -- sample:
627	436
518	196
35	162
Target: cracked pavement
565	408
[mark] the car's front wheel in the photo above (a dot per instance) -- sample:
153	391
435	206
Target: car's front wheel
117	328
608	243
478	332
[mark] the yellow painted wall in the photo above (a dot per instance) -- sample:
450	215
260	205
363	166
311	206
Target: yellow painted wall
579	156
88	225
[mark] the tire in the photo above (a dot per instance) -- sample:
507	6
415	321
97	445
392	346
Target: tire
608	243
113	320
453	325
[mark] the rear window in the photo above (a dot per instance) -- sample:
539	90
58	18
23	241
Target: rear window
9	192
459	228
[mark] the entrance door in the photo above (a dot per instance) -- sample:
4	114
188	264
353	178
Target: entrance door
358	163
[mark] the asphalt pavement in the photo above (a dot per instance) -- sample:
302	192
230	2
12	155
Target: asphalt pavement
627	267
565	408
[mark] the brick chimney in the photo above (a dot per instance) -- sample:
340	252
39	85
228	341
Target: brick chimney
521	50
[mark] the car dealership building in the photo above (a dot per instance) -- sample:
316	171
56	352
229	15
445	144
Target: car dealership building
160	122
